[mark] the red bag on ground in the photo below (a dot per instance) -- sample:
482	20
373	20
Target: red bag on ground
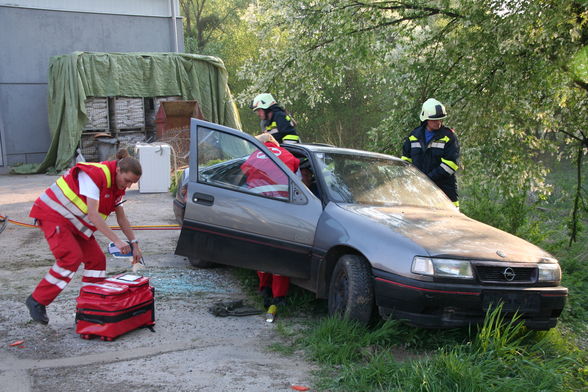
115	306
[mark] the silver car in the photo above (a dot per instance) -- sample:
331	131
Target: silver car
371	234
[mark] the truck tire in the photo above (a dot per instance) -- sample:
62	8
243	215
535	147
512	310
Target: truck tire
351	292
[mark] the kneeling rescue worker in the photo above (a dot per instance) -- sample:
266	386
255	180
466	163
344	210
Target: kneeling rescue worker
434	149
274	119
69	212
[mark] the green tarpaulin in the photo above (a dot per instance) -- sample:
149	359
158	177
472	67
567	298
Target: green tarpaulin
75	77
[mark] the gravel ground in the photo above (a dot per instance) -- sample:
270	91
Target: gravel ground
191	350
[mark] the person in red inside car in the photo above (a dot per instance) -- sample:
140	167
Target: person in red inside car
264	177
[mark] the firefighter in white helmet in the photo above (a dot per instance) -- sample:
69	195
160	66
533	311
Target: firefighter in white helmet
434	148
274	119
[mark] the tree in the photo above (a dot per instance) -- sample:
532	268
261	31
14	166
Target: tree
206	20
501	67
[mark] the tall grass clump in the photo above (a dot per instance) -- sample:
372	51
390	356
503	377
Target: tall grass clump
501	355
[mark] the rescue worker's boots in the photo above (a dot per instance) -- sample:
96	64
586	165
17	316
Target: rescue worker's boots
37	311
266	294
280	301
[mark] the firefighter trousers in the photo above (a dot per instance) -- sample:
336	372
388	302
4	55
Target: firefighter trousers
70	250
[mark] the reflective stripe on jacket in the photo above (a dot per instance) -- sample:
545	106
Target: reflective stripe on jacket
264	176
439	160
63	198
281	126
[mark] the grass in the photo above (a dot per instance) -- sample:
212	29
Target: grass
501	355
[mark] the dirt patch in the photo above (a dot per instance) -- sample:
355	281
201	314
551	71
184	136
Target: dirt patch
190	350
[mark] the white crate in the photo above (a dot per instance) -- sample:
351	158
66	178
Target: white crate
127	113
97	112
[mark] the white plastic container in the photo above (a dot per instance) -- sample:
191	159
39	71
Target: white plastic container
155	161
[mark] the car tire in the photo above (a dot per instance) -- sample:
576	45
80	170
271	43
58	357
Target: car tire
199	263
351	292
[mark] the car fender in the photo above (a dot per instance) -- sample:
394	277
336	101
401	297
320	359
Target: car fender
341	231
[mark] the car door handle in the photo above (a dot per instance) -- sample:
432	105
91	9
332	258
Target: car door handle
203	199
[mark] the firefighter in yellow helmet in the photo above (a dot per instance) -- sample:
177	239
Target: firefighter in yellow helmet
274	119
434	148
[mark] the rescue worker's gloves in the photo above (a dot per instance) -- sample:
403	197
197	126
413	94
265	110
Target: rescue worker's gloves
37	311
432	110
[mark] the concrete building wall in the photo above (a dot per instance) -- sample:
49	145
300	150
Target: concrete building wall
30	34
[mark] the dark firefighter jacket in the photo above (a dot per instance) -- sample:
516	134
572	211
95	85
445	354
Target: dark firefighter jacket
281	126
439	159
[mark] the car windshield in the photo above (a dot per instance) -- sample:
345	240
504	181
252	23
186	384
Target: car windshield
375	180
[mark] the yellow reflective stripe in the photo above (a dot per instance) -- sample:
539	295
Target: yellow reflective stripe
288	118
456	203
68	197
86	231
406	159
104	169
413	138
71	207
444	139
71	195
449	163
271	126
291	137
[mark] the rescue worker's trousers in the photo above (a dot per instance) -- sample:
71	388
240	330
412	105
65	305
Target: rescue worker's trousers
278	283
70	250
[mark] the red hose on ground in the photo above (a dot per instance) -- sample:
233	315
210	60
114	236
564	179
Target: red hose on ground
4	220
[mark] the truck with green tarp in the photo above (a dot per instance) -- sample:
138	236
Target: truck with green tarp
75	77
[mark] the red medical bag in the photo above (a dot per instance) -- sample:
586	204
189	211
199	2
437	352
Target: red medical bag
115	306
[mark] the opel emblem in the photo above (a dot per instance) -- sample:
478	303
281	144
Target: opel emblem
509	274
500	253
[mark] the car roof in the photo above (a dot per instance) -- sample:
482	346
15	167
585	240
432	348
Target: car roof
327	148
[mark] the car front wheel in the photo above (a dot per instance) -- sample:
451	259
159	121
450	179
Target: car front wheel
351	292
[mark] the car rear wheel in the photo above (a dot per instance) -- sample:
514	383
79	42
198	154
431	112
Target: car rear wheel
199	263
351	292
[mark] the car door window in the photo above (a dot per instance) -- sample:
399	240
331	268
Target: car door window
232	162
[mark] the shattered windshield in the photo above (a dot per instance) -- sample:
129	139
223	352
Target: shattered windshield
370	180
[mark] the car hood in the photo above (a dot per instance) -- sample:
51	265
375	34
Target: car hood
451	234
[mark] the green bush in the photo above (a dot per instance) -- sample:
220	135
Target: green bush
173	188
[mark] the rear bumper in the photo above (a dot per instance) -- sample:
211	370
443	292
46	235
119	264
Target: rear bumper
446	305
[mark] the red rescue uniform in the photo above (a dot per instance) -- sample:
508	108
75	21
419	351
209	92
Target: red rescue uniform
62	213
264	176
268	179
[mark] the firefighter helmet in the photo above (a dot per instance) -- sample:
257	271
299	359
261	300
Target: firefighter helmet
263	101
433	110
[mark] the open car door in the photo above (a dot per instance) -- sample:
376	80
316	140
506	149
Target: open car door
267	225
